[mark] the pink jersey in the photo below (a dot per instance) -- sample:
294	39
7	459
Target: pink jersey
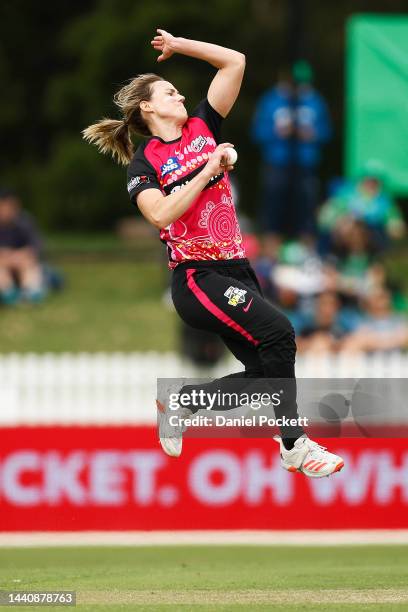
209	229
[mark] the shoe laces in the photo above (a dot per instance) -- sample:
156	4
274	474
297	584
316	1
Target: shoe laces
315	446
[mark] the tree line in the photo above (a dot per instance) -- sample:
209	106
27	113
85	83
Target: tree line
61	63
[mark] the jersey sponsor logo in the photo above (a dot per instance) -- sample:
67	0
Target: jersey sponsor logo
182	181
235	295
198	143
178	187
136	181
171	165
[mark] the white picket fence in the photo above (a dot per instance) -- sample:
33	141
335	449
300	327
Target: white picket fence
120	388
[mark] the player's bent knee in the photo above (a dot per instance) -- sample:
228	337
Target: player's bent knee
280	341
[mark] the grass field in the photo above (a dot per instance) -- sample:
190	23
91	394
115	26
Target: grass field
106	306
215	577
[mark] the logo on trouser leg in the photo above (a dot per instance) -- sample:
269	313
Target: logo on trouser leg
235	296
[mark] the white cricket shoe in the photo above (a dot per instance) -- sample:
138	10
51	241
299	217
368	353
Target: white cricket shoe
171	435
309	458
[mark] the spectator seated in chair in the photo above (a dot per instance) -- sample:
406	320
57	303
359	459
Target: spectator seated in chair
382	329
366	200
21	276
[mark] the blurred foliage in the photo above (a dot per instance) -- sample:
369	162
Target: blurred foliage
60	65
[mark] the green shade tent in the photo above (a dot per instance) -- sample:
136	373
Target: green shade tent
377	97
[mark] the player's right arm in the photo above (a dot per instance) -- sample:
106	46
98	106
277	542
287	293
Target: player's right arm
225	86
161	210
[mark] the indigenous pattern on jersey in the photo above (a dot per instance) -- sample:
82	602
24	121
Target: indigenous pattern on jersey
209	229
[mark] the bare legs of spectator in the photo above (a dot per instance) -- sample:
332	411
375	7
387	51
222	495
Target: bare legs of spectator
360	341
20	264
363	340
320	343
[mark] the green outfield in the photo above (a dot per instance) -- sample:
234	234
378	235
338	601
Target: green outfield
215	577
105	306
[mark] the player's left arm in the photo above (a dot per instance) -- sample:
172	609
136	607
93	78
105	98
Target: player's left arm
225	86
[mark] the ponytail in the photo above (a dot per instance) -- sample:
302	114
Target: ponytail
112	135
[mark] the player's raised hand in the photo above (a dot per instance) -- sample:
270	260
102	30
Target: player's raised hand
163	42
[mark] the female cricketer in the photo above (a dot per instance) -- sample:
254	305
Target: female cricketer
178	178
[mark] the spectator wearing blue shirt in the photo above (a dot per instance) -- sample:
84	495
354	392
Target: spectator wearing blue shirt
290	125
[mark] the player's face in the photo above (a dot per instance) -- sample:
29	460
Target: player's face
166	102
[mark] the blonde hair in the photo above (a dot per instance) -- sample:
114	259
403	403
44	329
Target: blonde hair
113	135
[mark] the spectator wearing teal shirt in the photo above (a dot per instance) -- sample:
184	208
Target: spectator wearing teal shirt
366	200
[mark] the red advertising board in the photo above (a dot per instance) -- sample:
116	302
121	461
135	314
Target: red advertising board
114	478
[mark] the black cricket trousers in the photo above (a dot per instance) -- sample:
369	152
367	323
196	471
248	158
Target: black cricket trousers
225	297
